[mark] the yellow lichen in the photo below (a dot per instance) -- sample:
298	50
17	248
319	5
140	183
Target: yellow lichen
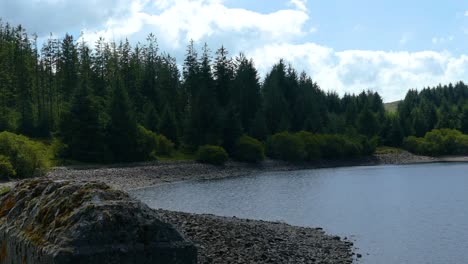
6	206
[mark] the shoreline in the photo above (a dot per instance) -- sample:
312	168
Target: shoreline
130	177
230	239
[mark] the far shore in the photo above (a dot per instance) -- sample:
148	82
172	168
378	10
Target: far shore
142	175
134	176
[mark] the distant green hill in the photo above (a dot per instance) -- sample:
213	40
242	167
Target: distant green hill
391	107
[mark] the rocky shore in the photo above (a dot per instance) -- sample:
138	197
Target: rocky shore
135	176
233	240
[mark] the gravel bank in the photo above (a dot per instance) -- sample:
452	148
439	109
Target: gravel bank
134	176
232	240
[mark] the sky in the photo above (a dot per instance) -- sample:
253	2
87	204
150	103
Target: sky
388	46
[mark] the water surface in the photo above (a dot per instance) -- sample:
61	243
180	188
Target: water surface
395	214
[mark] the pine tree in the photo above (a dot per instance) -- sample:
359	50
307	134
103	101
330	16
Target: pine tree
122	130
259	129
276	107
232	130
367	122
245	92
82	129
168	125
223	75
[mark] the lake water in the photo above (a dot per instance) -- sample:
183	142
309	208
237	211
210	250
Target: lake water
395	214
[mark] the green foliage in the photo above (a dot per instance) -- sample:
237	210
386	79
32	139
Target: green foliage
249	149
83	129
438	142
4	190
165	147
168	125
311	145
285	146
215	155
367	123
122	130
28	158
232	130
339	146
387	150
6	168
147	144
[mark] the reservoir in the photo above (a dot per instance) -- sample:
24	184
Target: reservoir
393	214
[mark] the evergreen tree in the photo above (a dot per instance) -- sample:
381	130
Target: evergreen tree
259	129
245	94
464	120
367	122
223	75
232	130
277	114
82	129
122	130
168	125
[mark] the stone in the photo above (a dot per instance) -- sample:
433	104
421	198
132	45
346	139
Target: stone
63	222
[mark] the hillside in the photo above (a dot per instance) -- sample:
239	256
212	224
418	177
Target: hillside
392	106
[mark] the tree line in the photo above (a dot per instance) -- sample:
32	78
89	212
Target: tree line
98	99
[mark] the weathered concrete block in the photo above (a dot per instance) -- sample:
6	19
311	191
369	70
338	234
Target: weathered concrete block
45	222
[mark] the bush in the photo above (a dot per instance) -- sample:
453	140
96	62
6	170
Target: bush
311	145
438	142
6	168
165	147
339	146
150	144
249	149
28	158
285	146
212	154
147	144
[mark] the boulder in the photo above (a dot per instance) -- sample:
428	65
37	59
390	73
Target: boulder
55	222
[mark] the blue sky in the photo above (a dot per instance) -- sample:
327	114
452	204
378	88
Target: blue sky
346	46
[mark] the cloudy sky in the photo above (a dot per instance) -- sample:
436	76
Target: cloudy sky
387	46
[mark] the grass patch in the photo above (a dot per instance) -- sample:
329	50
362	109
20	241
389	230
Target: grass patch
387	150
178	156
4	190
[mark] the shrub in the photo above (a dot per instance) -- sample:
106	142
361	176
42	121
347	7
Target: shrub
249	149
147	144
28	158
438	142
331	147
339	146
285	146
212	154
6	168
165	147
311	145
369	146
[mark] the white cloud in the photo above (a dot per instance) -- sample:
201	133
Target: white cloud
178	21
351	71
442	40
466	13
300	4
